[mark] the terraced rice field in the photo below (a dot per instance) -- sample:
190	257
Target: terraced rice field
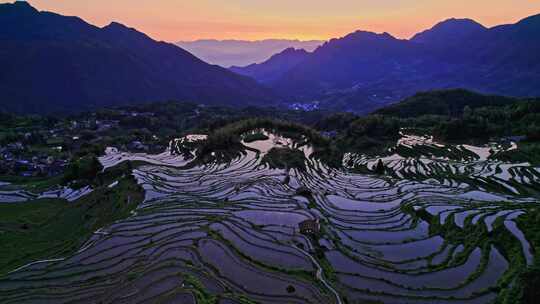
231	232
15	194
419	158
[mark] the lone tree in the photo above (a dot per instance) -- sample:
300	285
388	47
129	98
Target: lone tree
291	289
380	169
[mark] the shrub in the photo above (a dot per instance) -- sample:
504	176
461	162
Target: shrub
291	289
285	158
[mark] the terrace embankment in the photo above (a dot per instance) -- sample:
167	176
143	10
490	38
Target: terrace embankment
230	232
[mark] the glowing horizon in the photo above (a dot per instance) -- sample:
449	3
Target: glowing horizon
179	20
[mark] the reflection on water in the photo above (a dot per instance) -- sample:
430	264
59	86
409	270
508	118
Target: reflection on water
234	228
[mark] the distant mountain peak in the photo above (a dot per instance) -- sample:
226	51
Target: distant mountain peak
360	34
18	6
106	66
459	21
360	37
22	4
291	50
288	54
120	30
449	31
116	26
274	67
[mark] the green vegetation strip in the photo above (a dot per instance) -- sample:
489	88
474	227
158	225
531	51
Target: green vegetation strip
47	229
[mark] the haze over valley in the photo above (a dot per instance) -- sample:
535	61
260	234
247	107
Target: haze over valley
360	72
227	53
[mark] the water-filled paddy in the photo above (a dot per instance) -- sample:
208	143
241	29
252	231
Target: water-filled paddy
233	229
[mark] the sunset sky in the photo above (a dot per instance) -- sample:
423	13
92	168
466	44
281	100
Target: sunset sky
174	20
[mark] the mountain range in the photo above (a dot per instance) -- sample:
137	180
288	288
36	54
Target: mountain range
54	63
227	53
364	71
273	68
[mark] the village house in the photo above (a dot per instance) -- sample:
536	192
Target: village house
103	125
310	227
137	146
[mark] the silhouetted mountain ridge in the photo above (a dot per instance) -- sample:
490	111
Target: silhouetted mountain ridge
57	63
449	32
364	71
346	62
274	67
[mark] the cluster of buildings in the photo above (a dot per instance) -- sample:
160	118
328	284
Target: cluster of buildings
94	124
45	152
13	161
137	146
307	107
310	227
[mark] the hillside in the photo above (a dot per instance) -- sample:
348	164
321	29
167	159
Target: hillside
365	69
57	63
272	69
444	102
